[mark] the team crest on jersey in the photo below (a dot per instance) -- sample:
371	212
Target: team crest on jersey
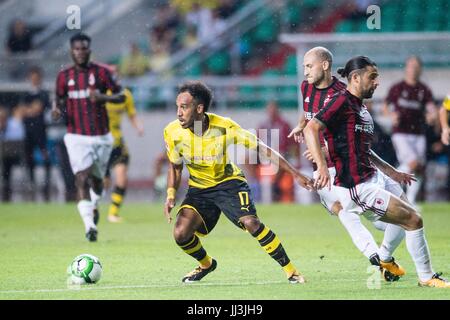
379	203
71	82
91	79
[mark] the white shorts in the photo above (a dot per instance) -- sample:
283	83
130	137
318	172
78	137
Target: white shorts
89	151
328	197
370	198
409	148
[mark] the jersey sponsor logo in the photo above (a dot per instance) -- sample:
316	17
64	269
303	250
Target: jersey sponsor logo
309	115
326	100
78	94
367	128
408	104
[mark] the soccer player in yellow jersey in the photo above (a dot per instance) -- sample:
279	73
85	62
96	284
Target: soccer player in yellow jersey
200	140
119	158
445	136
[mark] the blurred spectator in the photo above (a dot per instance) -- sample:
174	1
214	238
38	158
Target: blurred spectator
159	58
164	32
12	146
135	63
274	132
226	8
190	40
19	39
37	103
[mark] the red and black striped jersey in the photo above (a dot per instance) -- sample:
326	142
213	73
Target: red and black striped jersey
313	101
74	85
350	132
410	103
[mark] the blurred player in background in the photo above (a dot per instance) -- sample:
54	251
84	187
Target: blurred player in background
81	93
200	139
119	159
407	104
445	135
318	88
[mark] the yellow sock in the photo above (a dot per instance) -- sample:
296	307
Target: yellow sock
290	270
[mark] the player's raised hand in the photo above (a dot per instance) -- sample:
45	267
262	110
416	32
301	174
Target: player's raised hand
297	133
323	178
403	177
168	206
307	154
305	181
56	112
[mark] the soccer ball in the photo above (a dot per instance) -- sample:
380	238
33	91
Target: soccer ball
85	269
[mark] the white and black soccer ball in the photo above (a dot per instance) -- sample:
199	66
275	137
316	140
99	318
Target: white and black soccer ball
85	269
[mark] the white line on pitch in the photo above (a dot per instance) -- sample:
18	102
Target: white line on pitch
91	287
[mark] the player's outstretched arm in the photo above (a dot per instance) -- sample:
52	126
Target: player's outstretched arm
96	96
137	124
298	130
311	134
387	169
173	183
283	164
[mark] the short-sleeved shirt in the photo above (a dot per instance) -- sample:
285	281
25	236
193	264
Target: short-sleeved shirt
74	85
115	112
410	103
350	132
313	101
206	156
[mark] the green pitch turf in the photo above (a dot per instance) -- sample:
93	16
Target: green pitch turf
141	261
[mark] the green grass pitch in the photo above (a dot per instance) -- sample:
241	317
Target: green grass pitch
141	261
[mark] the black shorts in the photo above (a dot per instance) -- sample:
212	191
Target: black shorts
118	155
232	197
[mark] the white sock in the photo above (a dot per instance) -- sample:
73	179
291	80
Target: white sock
413	190
361	237
86	210
393	235
95	198
418	249
380	225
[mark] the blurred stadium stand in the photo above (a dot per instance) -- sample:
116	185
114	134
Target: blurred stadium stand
245	63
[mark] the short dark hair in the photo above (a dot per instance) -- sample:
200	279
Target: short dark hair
355	64
199	91
80	37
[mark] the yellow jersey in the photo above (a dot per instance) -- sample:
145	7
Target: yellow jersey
206	156
115	112
446	102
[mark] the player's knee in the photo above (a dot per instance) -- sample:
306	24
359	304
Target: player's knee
336	208
182	234
82	179
251	223
415	221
